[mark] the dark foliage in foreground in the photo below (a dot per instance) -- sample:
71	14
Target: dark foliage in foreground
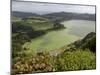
67	61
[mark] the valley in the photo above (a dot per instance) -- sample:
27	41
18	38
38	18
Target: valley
50	44
55	39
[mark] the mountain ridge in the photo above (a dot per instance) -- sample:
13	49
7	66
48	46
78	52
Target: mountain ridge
58	16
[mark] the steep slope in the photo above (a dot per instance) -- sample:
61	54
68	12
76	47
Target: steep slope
88	42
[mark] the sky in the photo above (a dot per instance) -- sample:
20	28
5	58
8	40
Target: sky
45	8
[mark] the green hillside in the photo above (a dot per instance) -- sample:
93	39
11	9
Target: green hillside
14	19
37	23
89	42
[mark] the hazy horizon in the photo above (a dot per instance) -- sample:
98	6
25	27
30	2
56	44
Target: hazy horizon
46	8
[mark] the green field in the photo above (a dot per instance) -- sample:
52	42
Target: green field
75	30
39	23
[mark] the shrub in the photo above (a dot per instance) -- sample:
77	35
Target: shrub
76	60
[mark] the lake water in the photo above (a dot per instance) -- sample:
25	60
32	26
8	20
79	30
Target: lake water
75	30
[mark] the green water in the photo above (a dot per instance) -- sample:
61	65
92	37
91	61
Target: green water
75	30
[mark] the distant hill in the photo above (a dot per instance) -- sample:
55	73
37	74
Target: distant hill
23	14
61	16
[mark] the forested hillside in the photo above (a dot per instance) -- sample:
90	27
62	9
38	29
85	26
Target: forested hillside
88	42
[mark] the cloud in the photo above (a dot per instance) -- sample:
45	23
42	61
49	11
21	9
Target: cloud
43	8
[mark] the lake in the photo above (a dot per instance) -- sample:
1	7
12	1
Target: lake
75	30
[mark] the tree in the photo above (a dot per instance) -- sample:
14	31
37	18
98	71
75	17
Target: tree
57	25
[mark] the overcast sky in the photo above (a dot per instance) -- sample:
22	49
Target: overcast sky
45	8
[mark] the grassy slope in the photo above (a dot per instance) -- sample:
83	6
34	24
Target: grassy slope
39	23
15	19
